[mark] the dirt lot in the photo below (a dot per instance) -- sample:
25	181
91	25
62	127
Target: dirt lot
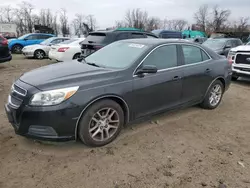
189	148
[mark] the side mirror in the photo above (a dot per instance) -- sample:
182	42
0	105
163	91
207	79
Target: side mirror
25	39
228	46
149	69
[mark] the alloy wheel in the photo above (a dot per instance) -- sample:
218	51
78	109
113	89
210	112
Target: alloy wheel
104	124
39	55
215	95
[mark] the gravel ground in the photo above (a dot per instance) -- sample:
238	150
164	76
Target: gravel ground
188	148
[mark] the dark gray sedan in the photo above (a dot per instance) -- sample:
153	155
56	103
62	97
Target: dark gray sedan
120	83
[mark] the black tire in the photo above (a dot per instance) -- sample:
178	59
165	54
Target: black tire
235	78
76	56
86	120
39	54
17	49
206	104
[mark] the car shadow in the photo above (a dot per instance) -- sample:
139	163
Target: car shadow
243	81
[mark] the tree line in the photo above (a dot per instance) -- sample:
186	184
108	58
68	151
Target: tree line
207	19
25	18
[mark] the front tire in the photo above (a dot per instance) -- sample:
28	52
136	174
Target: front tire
17	49
39	54
76	56
213	96
101	123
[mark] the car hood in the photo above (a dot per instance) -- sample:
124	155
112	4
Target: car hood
241	48
67	74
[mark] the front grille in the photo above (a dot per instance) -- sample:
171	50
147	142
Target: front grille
242	59
19	90
16	97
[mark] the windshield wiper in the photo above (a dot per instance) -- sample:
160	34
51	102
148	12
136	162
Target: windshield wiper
93	64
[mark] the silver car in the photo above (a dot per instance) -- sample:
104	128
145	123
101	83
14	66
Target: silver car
40	51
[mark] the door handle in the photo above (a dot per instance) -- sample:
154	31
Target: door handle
208	70
176	78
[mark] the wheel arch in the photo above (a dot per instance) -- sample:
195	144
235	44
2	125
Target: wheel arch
220	78
76	54
19	44
119	100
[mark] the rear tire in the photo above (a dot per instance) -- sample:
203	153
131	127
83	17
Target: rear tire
76	56
17	49
101	123
213	96
39	54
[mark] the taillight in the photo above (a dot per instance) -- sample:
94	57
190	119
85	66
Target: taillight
5	42
62	49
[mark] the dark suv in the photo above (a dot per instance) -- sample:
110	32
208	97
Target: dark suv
98	39
222	46
4	50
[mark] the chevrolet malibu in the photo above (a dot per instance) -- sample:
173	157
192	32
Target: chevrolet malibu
93	98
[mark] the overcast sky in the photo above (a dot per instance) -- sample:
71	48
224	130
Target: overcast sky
108	11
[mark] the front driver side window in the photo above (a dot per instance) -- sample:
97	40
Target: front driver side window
163	57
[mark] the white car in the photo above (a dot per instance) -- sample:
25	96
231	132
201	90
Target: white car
67	50
40	51
240	59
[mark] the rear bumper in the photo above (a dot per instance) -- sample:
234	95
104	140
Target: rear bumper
5	59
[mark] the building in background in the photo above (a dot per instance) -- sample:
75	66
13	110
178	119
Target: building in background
8	30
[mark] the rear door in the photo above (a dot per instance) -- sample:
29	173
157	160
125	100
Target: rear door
197	73
31	39
93	42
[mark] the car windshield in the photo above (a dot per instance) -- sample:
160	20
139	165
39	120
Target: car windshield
48	41
214	43
117	55
24	36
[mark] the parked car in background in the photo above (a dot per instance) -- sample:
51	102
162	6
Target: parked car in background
67	50
40	51
5	54
199	40
16	45
240	58
119	83
166	34
98	39
222	45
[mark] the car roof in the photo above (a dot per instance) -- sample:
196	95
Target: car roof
157	41
122	31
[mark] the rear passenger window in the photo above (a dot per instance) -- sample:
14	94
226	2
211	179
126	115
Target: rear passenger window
192	54
122	36
43	36
163	57
204	56
137	35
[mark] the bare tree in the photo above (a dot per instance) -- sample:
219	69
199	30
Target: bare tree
136	18
202	17
219	19
91	22
78	24
176	24
64	22
241	25
153	23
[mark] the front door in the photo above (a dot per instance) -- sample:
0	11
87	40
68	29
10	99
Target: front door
162	90
197	73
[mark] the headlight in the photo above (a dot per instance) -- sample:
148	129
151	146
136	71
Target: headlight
52	97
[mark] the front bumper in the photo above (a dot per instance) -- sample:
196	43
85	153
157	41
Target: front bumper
52	123
28	53
5	59
44	124
241	70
